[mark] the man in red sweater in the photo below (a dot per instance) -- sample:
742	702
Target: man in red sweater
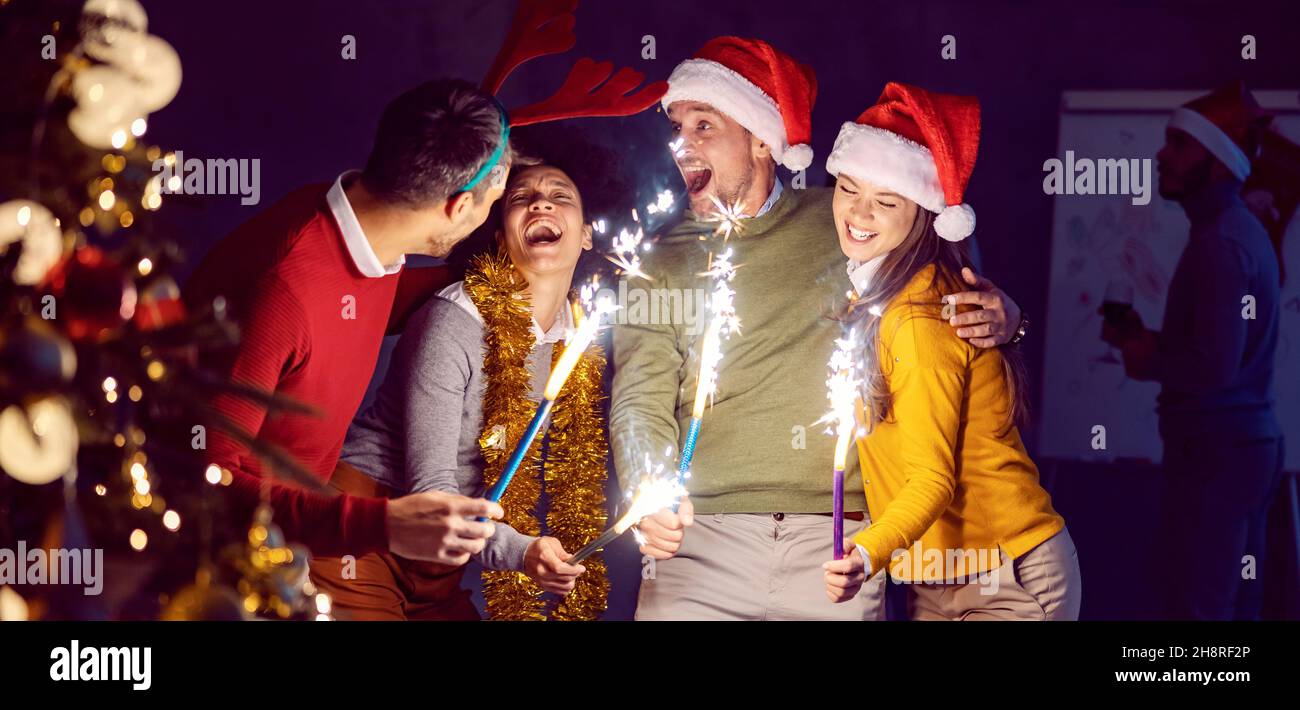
311	281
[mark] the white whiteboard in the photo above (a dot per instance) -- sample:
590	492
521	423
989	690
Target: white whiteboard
1095	238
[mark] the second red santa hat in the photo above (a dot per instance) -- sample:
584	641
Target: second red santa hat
919	144
756	85
1228	122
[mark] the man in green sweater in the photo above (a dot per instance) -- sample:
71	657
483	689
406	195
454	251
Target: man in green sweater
760	494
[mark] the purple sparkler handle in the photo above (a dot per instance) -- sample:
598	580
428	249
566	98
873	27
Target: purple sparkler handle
838	514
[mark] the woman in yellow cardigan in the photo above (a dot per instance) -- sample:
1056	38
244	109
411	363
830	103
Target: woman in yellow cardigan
958	512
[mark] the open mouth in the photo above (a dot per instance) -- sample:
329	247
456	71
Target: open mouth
696	179
859	235
542	230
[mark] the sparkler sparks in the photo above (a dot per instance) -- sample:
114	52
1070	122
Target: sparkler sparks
587	320
842	391
729	218
625	255
655	492
723	324
628	243
662	203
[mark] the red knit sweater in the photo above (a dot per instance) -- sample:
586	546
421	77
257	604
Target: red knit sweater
312	328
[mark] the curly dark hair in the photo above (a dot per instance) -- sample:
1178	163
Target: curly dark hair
595	170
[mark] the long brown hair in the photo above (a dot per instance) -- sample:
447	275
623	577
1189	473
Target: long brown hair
921	248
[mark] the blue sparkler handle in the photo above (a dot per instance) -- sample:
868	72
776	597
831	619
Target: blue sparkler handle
521	449
688	452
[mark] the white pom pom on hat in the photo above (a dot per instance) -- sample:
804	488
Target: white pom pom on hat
797	157
955	222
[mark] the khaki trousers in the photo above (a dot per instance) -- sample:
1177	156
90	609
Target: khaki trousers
753	567
1044	584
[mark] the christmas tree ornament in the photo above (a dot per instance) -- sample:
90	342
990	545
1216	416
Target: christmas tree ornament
35	228
34	359
94	294
108	102
273	575
109	24
159	305
38	443
153	67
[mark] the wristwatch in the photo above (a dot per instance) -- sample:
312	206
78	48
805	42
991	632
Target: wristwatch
1020	331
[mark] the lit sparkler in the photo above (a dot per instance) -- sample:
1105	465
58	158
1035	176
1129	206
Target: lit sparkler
723	323
654	493
842	390
577	341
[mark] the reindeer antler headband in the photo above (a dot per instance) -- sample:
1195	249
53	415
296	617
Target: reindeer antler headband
542	27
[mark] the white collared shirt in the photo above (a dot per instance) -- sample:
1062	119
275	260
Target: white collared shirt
772	197
564	323
861	273
363	255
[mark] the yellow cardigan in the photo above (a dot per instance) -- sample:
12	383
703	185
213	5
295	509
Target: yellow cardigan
947	477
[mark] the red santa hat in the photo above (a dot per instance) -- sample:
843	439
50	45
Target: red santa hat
1228	122
919	144
759	87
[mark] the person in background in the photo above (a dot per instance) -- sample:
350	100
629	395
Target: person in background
1213	357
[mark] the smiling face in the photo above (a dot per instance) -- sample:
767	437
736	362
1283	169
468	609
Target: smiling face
544	231
719	159
870	220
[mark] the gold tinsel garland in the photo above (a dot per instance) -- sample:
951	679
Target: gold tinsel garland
576	453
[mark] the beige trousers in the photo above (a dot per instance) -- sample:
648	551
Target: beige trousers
753	567
1044	584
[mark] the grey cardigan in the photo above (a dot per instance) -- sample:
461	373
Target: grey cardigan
421	432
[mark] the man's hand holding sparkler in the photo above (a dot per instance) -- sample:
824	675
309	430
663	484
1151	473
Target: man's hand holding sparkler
440	527
664	531
544	562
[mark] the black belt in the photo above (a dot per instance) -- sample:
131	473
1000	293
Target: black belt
858	516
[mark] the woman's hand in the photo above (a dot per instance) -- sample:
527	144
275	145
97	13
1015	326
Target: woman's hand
994	323
544	561
845	577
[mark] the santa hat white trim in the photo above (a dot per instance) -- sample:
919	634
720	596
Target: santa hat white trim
888	160
712	83
1214	140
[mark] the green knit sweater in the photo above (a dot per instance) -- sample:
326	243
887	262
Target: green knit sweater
760	449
